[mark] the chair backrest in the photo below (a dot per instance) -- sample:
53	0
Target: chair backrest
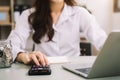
85	49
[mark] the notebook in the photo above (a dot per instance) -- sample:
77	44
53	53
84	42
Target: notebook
107	63
58	59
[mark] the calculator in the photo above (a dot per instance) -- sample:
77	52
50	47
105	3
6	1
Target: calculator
39	70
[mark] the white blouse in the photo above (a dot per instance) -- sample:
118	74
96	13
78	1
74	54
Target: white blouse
66	39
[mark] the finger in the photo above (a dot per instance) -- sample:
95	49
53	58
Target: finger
46	60
41	59
35	60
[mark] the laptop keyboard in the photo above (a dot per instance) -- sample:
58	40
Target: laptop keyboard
84	70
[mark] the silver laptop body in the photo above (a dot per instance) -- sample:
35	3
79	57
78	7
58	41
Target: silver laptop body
107	62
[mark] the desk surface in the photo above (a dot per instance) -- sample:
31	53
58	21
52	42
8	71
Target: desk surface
19	72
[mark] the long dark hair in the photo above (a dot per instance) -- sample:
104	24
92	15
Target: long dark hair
41	19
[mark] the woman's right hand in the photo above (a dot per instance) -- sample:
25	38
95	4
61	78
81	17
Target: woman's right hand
35	57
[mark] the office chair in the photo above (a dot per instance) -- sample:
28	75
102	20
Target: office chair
85	49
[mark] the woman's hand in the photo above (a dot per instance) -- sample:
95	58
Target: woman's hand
36	57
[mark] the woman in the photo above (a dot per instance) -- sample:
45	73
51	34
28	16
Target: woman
56	27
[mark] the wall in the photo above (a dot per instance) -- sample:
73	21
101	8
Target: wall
103	11
116	21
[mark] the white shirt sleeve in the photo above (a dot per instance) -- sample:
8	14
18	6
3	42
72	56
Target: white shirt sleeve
92	31
19	35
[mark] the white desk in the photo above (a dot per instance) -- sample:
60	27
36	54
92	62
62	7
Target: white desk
19	72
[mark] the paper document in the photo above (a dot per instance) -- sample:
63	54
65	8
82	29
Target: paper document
58	59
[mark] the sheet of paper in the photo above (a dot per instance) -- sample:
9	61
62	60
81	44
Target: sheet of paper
58	59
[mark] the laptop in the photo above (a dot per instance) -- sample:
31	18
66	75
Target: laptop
107	63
